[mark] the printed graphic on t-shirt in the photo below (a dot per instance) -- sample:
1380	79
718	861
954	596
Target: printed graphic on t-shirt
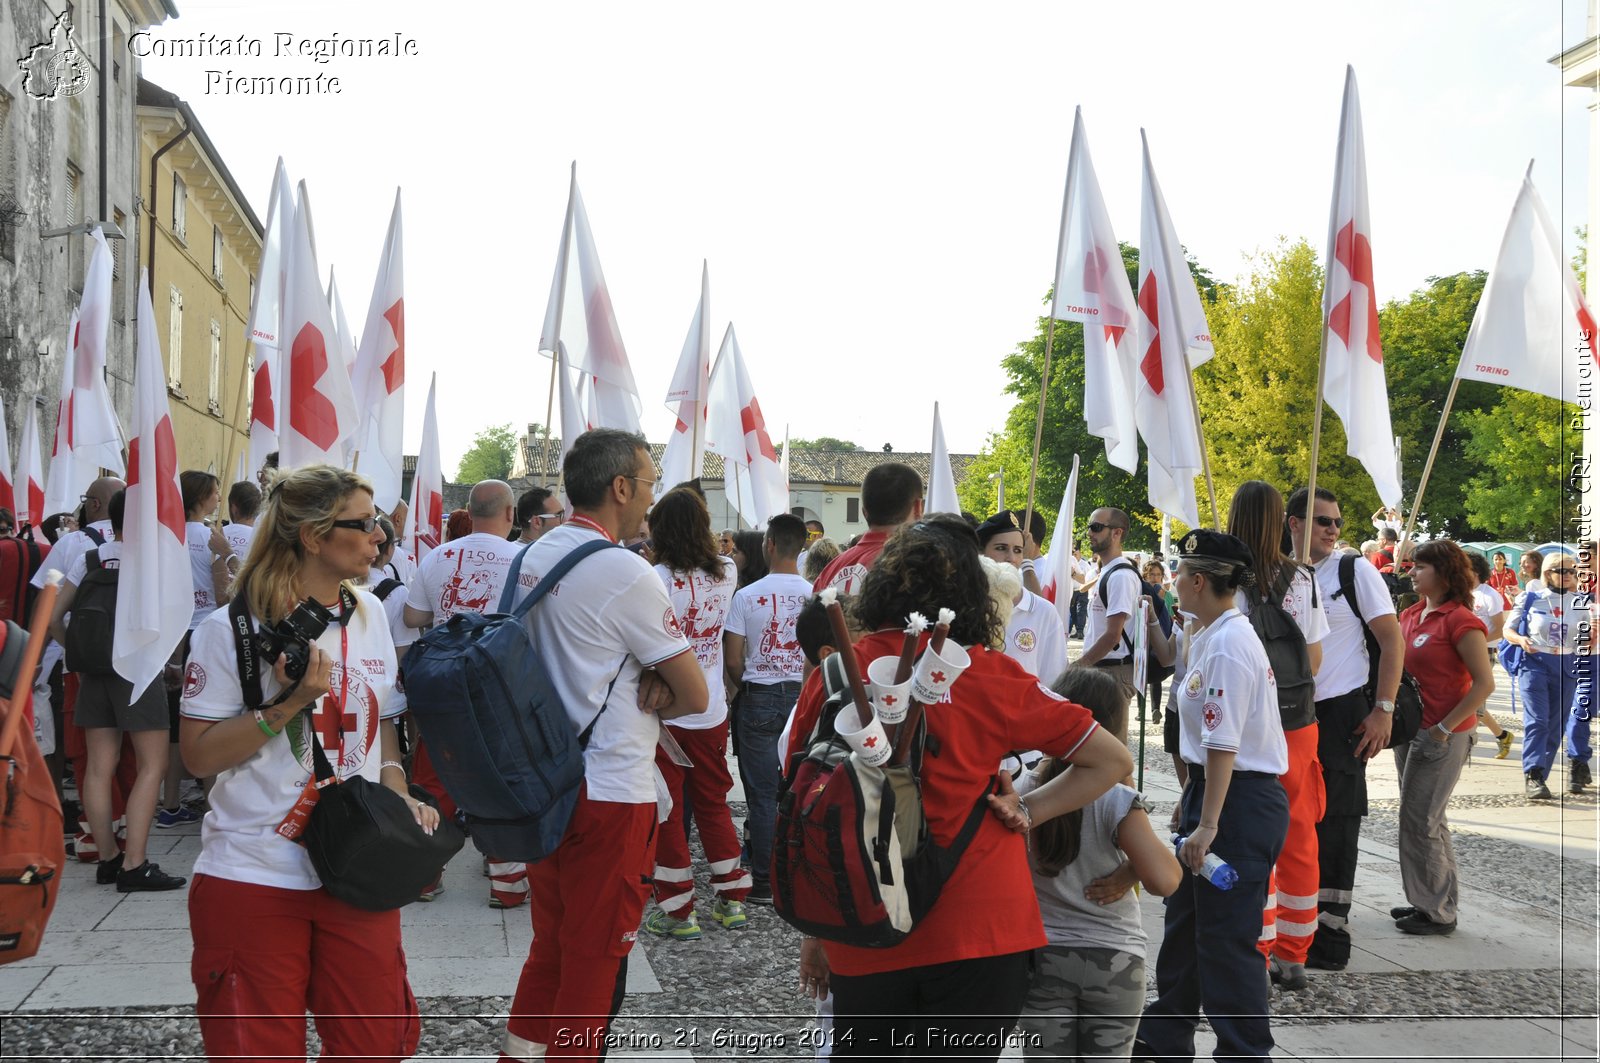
194	679
1195	684
1212	715
350	732
702	619
847	578
1026	640
778	642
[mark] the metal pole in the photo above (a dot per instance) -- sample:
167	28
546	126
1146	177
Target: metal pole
1049	350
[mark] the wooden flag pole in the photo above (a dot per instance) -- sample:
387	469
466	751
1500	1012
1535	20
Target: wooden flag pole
1049	351
1205	456
1427	470
233	430
1316	439
555	351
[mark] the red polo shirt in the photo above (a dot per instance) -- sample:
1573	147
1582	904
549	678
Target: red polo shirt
1431	656
988	908
856	560
1504	580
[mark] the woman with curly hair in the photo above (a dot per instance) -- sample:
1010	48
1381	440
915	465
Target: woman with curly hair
701	586
961	975
1447	649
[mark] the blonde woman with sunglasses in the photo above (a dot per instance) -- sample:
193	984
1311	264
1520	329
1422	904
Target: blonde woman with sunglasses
1549	623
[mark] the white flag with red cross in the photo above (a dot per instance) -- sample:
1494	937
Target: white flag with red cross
266	319
319	412
1092	287
1532	329
579	315
29	488
1171	331
684	457
1353	380
427	485
380	372
155	598
736	429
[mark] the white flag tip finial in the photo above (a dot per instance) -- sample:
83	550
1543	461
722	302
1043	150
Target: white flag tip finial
1528	176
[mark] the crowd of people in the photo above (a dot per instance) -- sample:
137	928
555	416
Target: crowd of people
686	645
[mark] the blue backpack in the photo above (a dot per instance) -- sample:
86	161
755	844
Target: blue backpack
497	732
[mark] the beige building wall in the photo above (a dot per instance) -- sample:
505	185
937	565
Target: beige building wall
202	244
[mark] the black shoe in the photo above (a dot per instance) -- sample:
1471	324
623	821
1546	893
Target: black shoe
106	871
147	878
1417	923
1578	777
760	893
1405	911
1319	963
1535	788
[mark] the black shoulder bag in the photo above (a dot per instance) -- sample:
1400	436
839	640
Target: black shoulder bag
1408	699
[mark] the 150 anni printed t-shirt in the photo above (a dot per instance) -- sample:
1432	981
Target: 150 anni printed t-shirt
606	622
238	837
701	602
465	575
764	613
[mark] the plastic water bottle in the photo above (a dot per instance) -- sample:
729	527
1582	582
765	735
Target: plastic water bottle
1214	869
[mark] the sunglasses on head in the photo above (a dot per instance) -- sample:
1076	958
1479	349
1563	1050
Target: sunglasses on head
1329	522
365	524
1096	527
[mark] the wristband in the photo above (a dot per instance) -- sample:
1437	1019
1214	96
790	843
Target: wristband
1442	729
392	764
1027	564
266	728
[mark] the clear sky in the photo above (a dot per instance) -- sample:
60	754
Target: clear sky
876	186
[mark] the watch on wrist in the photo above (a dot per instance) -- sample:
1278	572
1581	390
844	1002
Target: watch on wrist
1386	705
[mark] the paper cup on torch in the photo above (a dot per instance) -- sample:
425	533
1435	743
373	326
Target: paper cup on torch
889	699
937	672
870	743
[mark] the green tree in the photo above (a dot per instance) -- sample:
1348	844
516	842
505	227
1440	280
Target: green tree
490	456
1518	454
825	443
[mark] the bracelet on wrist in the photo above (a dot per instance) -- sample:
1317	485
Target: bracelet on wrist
1027	815
266	728
392	764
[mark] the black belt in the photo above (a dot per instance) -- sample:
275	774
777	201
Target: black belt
776	686
1198	772
1118	663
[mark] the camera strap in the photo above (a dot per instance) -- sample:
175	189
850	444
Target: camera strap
248	653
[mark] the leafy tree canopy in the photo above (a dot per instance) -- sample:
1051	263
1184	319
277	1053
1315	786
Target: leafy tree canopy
825	443
490	456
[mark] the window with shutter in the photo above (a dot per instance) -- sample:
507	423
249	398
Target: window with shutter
214	389
75	242
852	511
175	341
216	252
180	203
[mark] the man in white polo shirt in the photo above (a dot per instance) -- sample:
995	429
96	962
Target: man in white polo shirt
620	664
1355	709
1107	640
466	575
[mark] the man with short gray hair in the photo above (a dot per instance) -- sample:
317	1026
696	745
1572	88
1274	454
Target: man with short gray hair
467	575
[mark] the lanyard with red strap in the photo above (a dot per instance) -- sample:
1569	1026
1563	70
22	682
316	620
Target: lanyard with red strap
584	522
294	824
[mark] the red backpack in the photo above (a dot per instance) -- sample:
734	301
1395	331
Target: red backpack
32	851
852	859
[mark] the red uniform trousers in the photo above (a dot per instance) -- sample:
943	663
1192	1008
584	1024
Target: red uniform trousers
1289	921
75	747
588	897
264	956
707	785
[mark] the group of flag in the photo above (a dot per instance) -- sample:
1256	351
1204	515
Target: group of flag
1140	352
714	403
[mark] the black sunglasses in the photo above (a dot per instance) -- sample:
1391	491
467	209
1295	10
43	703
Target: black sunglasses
1096	527
366	525
1562	571
1329	522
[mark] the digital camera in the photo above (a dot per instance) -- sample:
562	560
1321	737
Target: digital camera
291	637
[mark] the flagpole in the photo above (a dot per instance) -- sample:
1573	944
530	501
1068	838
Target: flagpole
1049	350
561	302
1427	470
233	429
1205	457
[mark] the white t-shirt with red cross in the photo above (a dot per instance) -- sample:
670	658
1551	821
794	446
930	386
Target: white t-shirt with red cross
239	536
606	622
238	837
1228	698
764	613
701	602
465	575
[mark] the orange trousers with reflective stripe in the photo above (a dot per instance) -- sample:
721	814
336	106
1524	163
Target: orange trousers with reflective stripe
1289	921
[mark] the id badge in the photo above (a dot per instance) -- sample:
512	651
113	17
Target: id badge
294	824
